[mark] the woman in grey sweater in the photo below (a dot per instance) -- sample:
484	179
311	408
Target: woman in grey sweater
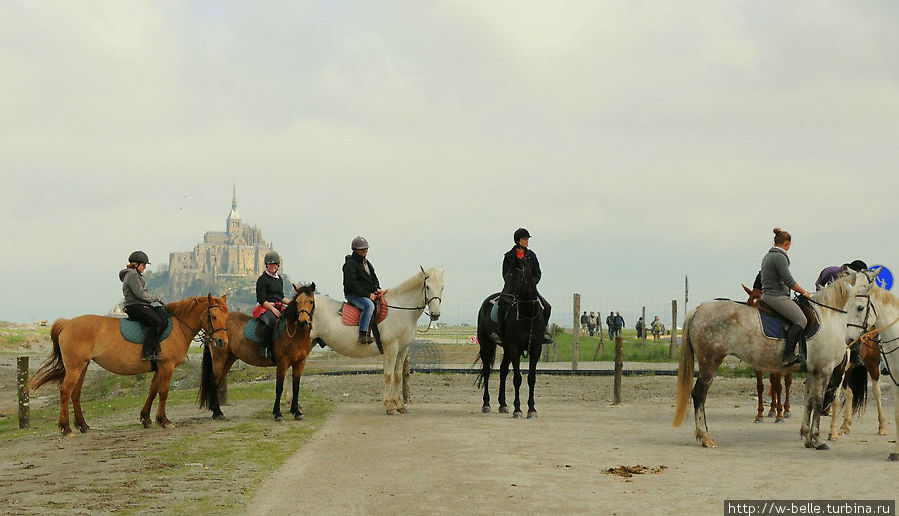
137	303
777	282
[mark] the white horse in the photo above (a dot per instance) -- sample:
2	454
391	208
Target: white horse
886	320
406	303
720	328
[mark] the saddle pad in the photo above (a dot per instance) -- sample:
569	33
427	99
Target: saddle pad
351	314
773	326
249	331
135	332
494	313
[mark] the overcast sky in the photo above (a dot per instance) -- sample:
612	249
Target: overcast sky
637	141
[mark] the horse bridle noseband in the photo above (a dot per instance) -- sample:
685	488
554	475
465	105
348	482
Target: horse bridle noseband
307	312
201	334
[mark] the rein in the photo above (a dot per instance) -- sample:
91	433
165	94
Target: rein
200	334
424	293
296	326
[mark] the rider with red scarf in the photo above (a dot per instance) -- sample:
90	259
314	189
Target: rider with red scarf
521	256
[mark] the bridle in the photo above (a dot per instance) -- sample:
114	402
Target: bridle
201	334
300	311
423	307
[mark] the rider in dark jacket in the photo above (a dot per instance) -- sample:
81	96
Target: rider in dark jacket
360	285
520	256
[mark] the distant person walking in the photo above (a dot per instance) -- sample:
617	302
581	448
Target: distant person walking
657	328
639	327
591	324
619	324
610	325
585	321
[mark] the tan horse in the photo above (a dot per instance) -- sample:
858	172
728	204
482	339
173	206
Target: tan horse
291	350
91	337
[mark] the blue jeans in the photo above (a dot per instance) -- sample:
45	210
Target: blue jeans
366	305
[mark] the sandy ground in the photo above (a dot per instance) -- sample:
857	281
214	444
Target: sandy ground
446	457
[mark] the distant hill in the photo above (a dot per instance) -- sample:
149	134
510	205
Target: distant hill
241	290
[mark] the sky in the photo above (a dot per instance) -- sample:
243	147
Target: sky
638	142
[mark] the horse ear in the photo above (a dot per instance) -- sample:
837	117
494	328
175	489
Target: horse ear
422	268
312	287
225	298
295	287
209	298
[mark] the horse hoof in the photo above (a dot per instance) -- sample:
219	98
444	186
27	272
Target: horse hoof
218	417
532	414
809	444
758	420
279	418
822	446
299	417
516	415
84	429
893	457
787	415
66	432
167	424
391	412
146	422
771	414
832	437
504	410
779	420
402	410
485	410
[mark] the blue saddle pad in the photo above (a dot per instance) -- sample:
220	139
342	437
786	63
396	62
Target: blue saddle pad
249	331
773	326
494	313
135	332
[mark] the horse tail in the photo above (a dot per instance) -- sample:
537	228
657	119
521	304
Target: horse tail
857	380
54	369
208	386
487	353
684	374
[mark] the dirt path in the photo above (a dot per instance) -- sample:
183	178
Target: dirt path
445	457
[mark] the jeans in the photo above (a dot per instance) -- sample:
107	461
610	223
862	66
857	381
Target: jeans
366	305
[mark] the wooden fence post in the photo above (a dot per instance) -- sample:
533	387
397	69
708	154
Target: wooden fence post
575	333
619	366
24	400
673	347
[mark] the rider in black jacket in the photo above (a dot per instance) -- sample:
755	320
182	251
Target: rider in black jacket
521	256
360	285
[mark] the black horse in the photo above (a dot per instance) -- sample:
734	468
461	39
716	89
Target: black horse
523	331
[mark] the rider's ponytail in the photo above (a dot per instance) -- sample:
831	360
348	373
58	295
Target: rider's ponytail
781	236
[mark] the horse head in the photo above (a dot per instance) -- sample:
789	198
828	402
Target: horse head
216	322
432	286
520	283
302	307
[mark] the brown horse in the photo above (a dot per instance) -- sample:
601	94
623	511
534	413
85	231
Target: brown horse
854	382
779	383
291	350
91	337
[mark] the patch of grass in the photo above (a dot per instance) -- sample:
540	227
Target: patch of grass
632	348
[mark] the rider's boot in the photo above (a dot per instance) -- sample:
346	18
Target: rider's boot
496	334
147	352
792	339
364	339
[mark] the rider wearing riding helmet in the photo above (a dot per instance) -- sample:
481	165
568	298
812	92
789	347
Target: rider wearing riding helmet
777	282
271	300
137	303
520	256
360	285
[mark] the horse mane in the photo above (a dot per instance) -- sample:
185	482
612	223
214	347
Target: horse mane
884	297
836	294
184	305
411	282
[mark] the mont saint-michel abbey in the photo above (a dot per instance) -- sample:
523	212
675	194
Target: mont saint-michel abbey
239	251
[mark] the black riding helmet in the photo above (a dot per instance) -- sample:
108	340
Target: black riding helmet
138	257
858	266
521	233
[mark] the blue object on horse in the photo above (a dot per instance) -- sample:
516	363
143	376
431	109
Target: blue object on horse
249	331
884	280
773	326
135	332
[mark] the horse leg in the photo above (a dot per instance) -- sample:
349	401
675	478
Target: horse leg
295	407
760	389
788	381
881	419
151	395
76	402
279	388
814	405
221	366
165	379
503	372
66	387
516	382
835	410
777	397
700	391
532	380
847	412
390	357
407	393
399	381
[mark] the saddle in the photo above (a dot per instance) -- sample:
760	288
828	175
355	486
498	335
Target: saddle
494	310
254	329
773	324
133	331
351	314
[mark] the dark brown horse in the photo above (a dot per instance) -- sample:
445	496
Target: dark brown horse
291	350
91	337
779	383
